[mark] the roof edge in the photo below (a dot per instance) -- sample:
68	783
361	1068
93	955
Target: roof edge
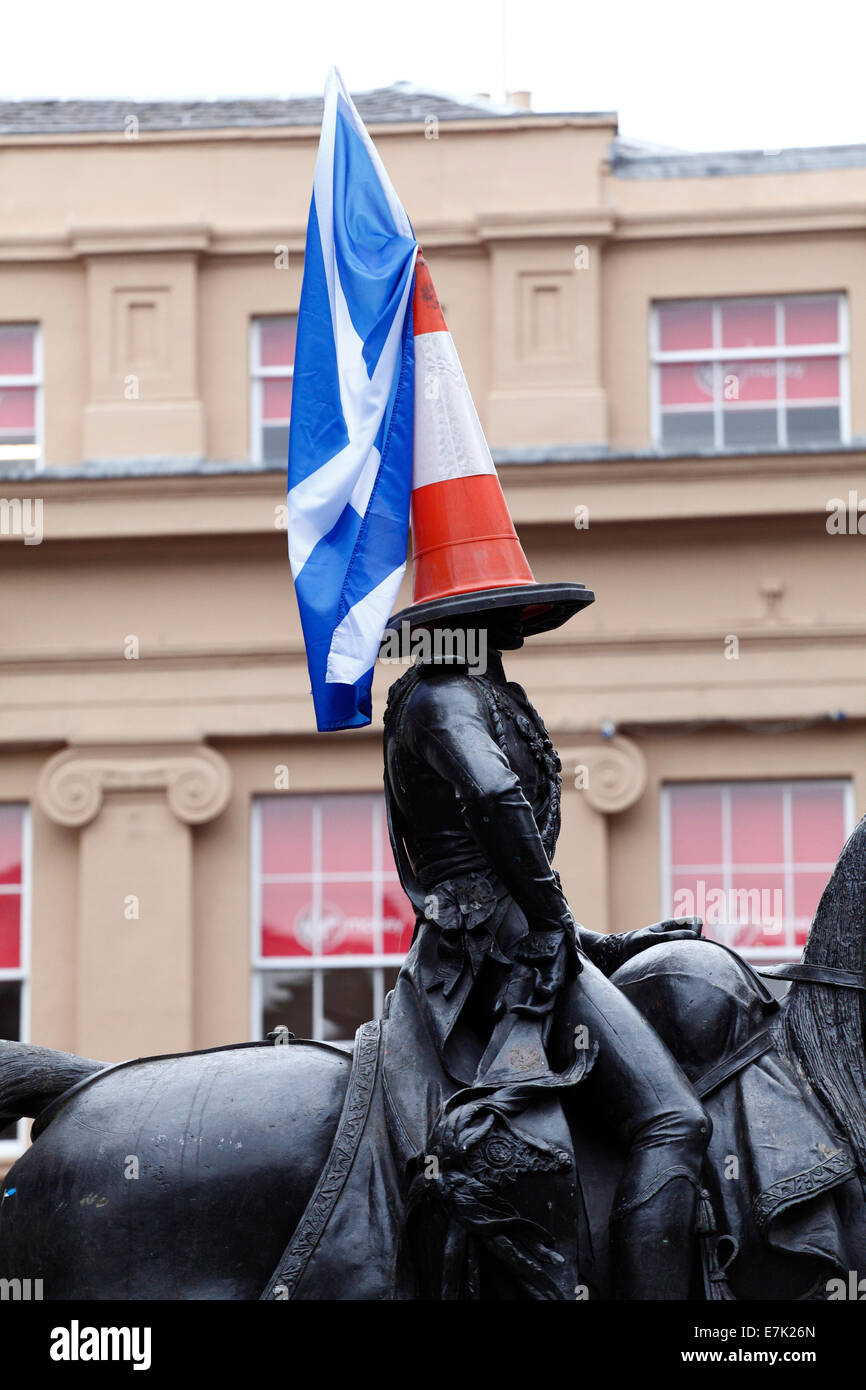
503	456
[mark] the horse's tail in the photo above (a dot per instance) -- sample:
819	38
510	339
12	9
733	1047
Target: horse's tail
31	1077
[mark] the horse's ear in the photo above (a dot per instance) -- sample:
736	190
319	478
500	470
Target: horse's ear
837	936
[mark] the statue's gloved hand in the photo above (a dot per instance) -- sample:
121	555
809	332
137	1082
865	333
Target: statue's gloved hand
552	956
611	951
671	929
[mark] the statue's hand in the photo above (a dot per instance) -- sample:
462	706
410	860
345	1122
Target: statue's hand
552	955
671	929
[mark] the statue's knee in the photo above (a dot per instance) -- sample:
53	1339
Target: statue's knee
697	1127
682	1124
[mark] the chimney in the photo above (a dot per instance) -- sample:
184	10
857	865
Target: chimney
521	98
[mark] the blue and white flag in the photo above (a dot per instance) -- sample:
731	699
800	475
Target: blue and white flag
350	442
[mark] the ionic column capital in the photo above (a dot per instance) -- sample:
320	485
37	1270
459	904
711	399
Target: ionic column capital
611	774
196	780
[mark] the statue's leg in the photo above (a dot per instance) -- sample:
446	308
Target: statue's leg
639	1089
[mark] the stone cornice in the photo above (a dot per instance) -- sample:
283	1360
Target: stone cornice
591	223
753	634
646	465
525	464
713	490
600	222
196	780
793	217
123	241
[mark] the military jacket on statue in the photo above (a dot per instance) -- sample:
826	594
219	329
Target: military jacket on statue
473	786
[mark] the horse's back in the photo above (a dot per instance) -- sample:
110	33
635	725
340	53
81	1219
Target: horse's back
179	1177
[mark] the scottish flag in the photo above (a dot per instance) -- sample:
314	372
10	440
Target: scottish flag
350	442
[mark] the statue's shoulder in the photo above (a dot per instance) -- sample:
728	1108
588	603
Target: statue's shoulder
438	690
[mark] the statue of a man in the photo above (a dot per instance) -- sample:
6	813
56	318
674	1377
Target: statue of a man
473	788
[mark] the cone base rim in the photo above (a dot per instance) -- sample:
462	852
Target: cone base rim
560	601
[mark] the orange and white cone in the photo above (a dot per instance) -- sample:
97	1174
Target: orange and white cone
463	539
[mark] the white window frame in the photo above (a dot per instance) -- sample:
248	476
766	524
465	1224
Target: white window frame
34	452
717	355
258	376
12	1148
376	961
790	951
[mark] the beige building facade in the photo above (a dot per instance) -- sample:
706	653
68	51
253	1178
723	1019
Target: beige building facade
667	355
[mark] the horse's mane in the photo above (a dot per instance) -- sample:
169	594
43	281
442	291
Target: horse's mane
820	1028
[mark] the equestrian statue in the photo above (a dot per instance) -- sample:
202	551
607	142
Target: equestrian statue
542	1112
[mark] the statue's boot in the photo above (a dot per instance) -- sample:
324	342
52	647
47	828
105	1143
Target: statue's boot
653	1241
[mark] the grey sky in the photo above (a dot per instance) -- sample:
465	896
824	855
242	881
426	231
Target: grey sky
739	73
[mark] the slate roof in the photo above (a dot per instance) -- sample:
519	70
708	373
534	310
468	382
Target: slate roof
632	159
399	102
402	101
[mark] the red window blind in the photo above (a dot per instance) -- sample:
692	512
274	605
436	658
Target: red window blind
16	350
739	372
752	858
329	885
10	887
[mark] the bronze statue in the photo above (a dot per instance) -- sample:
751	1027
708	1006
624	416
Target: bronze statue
513	995
513	1127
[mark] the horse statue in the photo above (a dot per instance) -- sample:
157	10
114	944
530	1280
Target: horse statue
223	1174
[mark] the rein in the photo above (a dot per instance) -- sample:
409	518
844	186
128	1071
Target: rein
816	975
717	1075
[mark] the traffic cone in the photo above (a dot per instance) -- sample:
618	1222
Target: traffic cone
467	557
463	538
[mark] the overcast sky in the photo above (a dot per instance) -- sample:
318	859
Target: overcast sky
732	74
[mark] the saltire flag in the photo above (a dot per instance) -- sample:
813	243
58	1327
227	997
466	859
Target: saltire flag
350	440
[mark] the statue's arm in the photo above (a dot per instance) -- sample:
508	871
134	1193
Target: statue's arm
449	729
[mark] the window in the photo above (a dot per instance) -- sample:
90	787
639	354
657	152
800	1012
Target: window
753	858
728	373
331	922
14	938
272	356
20	392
